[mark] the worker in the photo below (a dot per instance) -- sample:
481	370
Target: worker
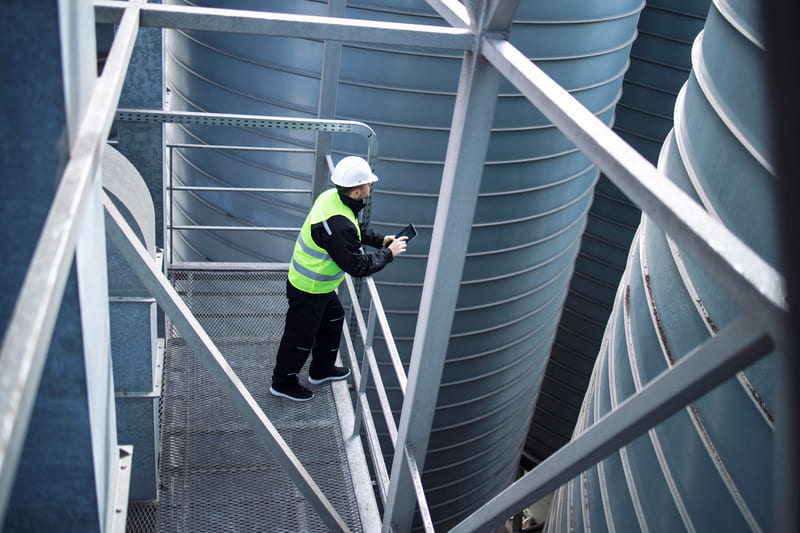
328	246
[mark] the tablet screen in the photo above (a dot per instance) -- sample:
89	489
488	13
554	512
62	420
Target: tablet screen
409	231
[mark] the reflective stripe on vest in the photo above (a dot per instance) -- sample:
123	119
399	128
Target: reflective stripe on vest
312	269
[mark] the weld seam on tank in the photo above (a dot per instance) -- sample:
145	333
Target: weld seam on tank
708	321
541	187
508	425
227	153
691	409
687	161
600	239
224	214
664	37
651	61
266	64
608	18
511	417
655	88
730	14
613	391
612	222
575	333
636	134
211	235
208	234
620	202
674	11
531	244
643	111
717	104
516	273
594	279
440	163
214	178
499	370
535	127
496	349
704	313
588	299
510	322
603	486
306	110
559	209
479	281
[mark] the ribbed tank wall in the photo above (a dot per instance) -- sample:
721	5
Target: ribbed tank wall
709	466
660	65
536	190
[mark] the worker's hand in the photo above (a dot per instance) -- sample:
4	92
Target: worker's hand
398	246
387	240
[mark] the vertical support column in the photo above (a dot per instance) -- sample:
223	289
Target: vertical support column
136	325
469	138
466	153
329	81
142	143
68	467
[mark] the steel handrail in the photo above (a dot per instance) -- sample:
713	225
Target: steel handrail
361	374
157	116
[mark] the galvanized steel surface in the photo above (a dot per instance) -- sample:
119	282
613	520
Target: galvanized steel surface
709	467
659	65
536	191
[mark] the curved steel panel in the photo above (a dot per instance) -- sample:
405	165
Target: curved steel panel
709	466
533	204
659	66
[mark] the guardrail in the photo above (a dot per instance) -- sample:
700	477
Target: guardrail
155	116
368	370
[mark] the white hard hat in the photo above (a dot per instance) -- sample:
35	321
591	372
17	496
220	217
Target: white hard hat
352	171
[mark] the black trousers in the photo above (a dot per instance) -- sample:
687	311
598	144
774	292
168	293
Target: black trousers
313	327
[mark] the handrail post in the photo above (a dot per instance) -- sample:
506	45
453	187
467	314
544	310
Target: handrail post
362	386
171	195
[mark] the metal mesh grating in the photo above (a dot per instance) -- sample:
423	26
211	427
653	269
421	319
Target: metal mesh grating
141	517
215	474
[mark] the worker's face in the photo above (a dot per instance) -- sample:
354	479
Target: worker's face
364	191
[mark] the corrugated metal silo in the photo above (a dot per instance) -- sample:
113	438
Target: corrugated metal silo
660	64
709	466
536	190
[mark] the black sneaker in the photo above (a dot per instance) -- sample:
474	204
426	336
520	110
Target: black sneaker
295	392
333	374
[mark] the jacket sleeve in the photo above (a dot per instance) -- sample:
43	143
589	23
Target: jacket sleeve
338	236
370	237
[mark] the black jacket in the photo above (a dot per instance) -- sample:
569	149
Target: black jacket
342	243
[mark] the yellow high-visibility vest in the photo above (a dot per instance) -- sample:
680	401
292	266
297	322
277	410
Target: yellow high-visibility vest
312	269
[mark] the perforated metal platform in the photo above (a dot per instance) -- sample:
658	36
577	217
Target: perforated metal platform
215	475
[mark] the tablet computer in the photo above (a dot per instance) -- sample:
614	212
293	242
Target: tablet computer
409	231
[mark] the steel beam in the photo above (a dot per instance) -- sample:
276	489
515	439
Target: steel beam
750	280
255	121
740	344
203	347
453	11
463	169
290	25
30	328
328	89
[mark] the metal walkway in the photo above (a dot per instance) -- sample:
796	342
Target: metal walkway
215	474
